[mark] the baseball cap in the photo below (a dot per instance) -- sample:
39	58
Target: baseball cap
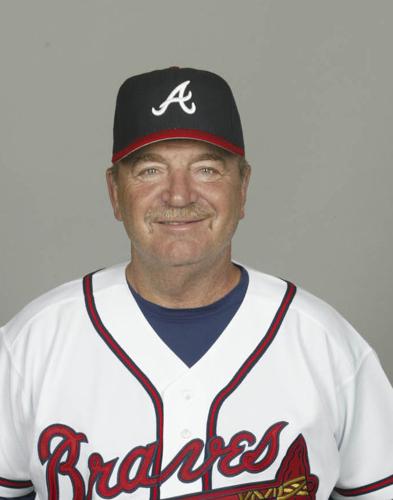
175	103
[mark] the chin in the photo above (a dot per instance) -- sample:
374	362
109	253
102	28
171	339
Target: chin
180	255
179	260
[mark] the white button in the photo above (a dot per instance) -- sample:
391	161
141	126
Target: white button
185	433
187	395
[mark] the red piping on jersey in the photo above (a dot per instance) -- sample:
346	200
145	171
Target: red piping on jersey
368	488
135	370
178	133
254	357
10	483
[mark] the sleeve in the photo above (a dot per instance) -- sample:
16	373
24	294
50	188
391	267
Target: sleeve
14	474
366	441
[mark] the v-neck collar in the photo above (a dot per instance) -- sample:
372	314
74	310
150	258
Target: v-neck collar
129	329
231	299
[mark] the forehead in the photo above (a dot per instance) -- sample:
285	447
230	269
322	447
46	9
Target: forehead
180	146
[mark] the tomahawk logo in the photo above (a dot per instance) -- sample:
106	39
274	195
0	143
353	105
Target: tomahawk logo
177	95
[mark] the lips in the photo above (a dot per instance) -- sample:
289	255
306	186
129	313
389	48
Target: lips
179	225
178	222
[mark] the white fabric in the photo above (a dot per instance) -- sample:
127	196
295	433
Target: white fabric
318	386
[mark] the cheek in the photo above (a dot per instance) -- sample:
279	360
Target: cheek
135	204
229	205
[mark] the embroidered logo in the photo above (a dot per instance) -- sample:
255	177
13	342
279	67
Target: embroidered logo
59	448
177	95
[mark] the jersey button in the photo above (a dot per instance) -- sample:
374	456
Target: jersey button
185	433
187	395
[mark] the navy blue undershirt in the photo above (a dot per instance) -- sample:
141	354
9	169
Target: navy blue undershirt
191	332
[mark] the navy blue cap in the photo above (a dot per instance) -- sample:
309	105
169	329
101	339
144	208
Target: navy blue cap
175	103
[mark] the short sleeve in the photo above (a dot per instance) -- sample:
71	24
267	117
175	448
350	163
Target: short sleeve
366	442
14	475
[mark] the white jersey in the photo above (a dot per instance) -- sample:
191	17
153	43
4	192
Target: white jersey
290	402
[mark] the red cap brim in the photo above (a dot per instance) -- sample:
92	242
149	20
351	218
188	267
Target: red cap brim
177	134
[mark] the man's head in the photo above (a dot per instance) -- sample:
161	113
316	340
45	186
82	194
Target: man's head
179	178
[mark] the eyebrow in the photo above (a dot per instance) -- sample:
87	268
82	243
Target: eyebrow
209	156
133	160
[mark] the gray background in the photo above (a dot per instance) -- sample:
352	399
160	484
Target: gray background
313	80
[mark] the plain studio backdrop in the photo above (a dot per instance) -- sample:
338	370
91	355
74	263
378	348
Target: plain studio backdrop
313	80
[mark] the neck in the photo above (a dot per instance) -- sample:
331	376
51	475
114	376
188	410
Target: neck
187	286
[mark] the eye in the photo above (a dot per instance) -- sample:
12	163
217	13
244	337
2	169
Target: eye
209	172
150	171
147	172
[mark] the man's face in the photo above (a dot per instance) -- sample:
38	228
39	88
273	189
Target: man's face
180	201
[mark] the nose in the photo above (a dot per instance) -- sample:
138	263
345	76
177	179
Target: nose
179	190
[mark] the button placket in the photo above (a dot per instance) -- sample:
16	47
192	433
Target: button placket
184	417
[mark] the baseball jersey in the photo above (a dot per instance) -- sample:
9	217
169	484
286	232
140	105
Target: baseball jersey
289	402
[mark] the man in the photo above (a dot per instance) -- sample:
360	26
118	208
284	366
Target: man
182	374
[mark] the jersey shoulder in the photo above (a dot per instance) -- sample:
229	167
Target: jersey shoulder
64	300
329	322
316	322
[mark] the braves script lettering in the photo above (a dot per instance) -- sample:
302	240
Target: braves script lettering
231	459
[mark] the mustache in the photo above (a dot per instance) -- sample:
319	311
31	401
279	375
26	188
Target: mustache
192	211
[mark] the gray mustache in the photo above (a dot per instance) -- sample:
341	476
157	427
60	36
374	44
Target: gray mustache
173	213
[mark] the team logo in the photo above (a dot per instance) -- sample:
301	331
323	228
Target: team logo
293	481
59	449
177	96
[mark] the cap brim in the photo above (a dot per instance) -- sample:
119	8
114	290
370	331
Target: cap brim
177	134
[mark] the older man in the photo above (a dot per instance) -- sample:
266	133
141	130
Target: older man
182	374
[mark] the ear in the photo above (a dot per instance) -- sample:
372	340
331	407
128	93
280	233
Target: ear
245	180
113	190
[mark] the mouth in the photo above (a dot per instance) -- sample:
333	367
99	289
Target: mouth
179	224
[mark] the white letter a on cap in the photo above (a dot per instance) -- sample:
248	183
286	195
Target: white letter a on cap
177	95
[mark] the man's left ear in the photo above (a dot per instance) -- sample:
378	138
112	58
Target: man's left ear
113	194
